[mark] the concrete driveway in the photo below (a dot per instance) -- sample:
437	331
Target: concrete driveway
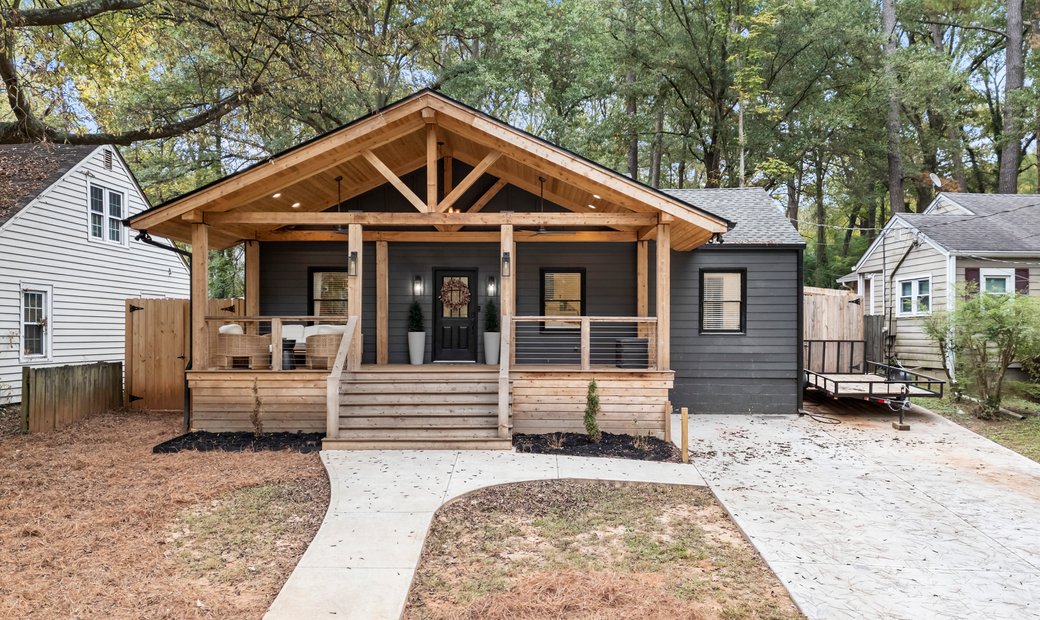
862	521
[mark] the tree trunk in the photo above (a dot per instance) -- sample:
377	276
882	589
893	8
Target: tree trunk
895	157
655	165
1014	77
793	196
848	231
871	221
633	136
821	221
953	134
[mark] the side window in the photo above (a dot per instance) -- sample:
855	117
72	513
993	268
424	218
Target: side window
915	296
563	294
35	326
106	213
329	293
722	301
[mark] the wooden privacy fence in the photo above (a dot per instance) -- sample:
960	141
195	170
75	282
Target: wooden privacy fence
59	396
157	349
831	314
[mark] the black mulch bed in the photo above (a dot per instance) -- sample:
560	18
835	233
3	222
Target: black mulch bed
241	442
611	446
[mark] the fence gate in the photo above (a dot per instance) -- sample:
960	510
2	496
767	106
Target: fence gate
157	344
874	338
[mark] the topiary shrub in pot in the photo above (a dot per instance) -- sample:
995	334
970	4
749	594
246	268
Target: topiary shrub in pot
492	337
416	334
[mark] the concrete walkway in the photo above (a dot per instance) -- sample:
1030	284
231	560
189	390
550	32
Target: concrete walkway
362	560
861	521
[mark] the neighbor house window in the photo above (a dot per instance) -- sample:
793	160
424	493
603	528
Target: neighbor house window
997	281
106	214
563	294
915	296
722	301
329	293
35	341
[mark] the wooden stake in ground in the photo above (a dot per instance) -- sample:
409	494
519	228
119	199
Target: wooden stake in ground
684	413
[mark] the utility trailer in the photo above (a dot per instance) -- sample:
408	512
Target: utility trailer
838	368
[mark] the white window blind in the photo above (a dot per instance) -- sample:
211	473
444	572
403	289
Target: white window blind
330	293
722	301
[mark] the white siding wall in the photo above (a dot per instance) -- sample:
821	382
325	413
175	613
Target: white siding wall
913	347
1004	263
945	206
48	243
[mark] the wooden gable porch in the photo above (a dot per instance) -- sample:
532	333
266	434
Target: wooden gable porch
303	197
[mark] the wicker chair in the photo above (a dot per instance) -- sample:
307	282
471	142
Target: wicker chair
322	349
256	349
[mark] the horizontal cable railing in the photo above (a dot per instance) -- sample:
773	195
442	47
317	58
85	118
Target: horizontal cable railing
274	343
585	342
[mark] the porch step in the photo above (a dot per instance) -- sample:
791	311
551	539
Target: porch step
429	408
416	443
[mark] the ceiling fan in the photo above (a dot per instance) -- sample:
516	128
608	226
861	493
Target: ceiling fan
541	209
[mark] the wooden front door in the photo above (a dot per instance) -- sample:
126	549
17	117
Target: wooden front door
455	319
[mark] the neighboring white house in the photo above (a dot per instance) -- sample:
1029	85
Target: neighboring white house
991	240
67	263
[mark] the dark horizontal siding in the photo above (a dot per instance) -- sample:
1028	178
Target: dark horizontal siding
753	372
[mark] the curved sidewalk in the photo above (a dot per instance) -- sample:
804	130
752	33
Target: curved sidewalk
362	560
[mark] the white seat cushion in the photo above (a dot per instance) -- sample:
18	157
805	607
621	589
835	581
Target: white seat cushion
309	331
231	328
292	332
332	329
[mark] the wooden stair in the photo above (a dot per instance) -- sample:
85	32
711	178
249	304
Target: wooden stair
432	408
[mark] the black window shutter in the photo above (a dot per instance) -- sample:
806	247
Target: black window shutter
1022	281
971	276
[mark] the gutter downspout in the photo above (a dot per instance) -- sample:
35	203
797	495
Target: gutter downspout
144	237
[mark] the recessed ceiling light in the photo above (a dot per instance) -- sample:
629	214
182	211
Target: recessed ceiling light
276	195
596	196
295	205
591	206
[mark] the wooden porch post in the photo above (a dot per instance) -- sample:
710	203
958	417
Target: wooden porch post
354	288
199	295
642	279
252	254
382	302
507	295
664	295
507	288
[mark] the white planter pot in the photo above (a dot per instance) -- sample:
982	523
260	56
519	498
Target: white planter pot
416	347
491	343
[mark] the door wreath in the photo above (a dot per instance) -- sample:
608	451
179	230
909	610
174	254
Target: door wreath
455	294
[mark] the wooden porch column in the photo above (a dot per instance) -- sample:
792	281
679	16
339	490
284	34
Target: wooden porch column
642	279
382	302
507	296
199	295
664	295
252	282
354	288
507	288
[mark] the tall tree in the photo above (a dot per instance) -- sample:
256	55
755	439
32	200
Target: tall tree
892	118
1014	79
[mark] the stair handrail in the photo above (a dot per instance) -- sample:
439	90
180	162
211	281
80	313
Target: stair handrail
332	382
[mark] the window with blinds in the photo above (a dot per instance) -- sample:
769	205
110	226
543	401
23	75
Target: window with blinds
329	293
563	294
722	301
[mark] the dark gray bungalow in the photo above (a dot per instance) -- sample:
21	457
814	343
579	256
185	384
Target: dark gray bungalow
535	271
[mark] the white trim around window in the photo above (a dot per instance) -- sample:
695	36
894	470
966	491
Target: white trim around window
106	209
913	295
997	281
35	324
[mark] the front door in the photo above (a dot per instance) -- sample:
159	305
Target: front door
455	315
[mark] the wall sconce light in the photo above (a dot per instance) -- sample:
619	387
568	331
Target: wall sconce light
352	264
506	272
492	286
417	286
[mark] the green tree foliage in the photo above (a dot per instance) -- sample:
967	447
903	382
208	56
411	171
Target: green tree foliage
985	333
789	95
592	413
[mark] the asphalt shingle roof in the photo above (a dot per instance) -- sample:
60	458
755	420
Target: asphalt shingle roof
28	169
758	219
1001	223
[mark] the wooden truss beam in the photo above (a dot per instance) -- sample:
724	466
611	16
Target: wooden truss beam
414	236
286	218
395	180
482	201
471	178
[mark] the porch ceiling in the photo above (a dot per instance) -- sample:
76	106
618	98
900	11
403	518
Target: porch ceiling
402	138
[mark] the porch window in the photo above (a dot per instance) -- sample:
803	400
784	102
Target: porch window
34	336
563	294
329	293
106	214
722	301
915	296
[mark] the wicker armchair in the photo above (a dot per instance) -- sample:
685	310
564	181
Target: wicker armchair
256	349
322	349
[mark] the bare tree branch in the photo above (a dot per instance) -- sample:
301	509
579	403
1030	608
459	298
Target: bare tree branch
65	14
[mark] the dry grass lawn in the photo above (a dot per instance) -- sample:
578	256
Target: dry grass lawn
93	525
578	549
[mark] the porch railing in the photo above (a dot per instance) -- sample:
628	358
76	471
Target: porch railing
332	382
274	343
585	343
